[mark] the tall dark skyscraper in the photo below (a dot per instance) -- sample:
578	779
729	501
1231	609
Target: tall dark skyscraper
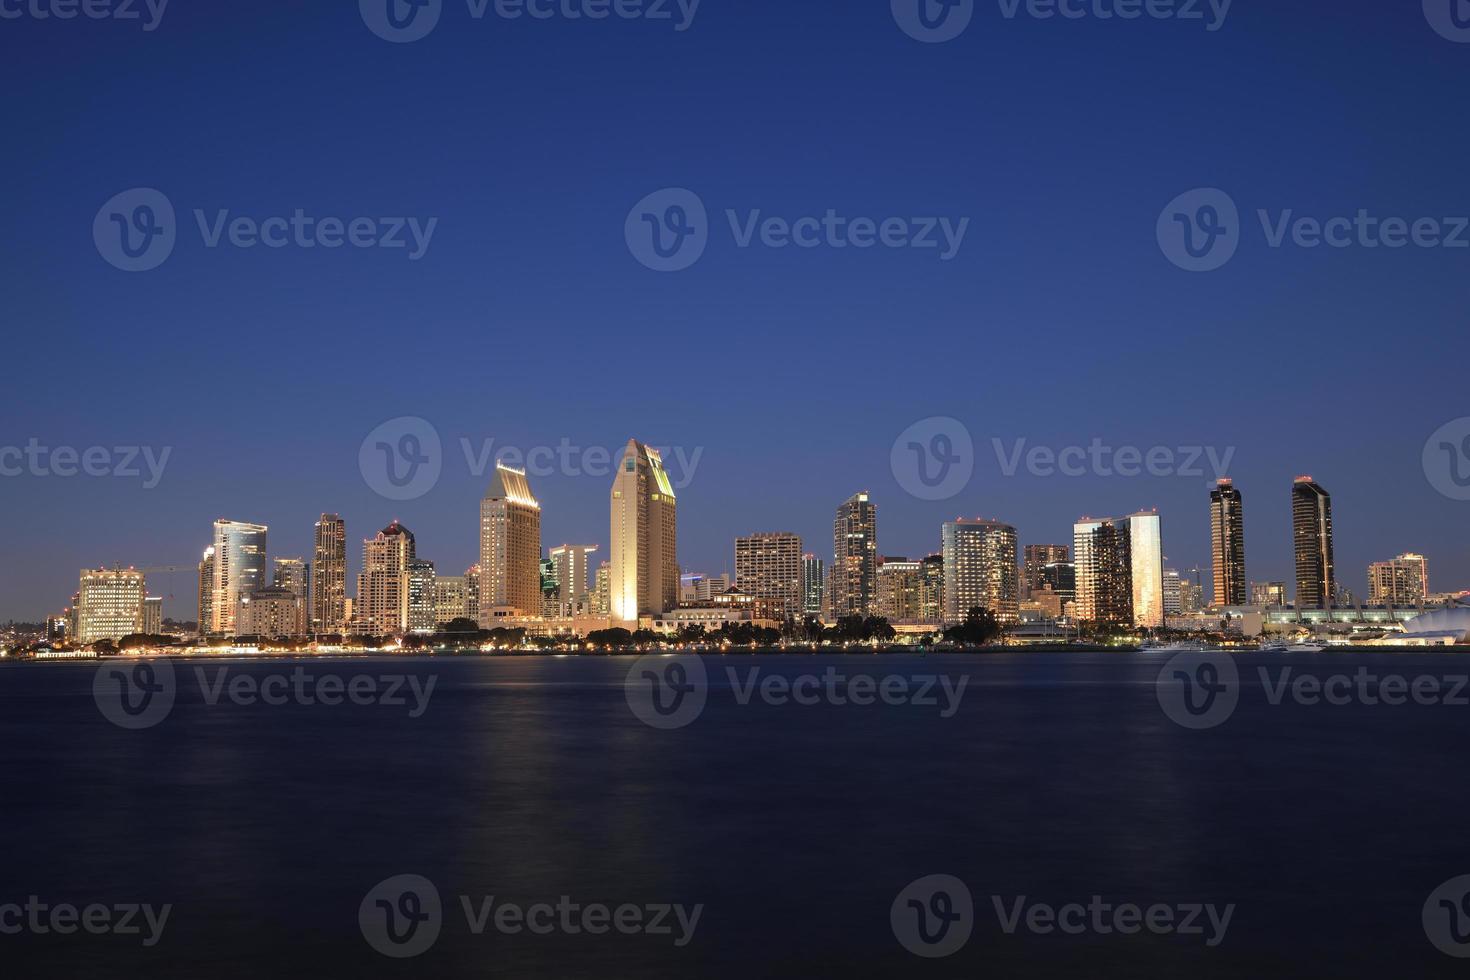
1037	557
855	557
1311	529
1227	544
329	576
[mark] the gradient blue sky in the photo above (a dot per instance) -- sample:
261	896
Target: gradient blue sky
529	321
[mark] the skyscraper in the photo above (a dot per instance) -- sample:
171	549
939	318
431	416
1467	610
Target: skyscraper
422	615
1402	581
572	563
980	569
768	566
1037	557
931	588
510	547
451	599
206	592
239	569
900	589
381	607
1227	544
1268	593
294	575
1311	530
1120	570
813	583
644	564
153	615
855	557
1173	598
109	604
329	576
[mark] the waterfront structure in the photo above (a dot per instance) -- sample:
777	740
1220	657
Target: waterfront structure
980	569
109	604
422	615
1401	581
1036	558
1311	529
854	589
1173	600
381	606
510	546
813	584
294	574
602	590
238	570
644	564
900	587
1268	594
206	591
769	566
571	563
1227	544
329	576
931	588
451	599
1120	570
271	612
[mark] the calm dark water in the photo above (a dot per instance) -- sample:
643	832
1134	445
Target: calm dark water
795	826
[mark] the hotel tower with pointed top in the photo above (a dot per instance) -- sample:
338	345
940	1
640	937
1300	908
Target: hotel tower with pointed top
510	547
644	568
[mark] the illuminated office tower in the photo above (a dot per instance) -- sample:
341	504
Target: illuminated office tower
900	589
980	569
602	590
813	583
1146	568
421	613
1036	558
109	604
931	588
1268	593
294	575
550	589
1120	570
1311	531
510	547
329	576
644	567
271	612
153	615
572	566
1173	592
206	591
381	606
1403	581
239	569
472	592
855	557
451	599
1227	544
768	566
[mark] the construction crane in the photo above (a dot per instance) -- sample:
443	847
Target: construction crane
168	570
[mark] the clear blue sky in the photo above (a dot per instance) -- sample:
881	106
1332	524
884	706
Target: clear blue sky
529	321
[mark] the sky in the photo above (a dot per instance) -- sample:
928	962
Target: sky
529	151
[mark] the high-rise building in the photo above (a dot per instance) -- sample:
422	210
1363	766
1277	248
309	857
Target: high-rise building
472	592
381	606
1311	530
699	589
422	615
900	589
1060	577
153	615
294	575
510	547
602	590
239	569
572	564
271	612
768	567
1173	599
1227	544
550	589
109	604
1036	558
813	583
206	591
329	576
451	599
644	564
1191	593
1120	570
931	588
1268	593
980	569
1402	581
855	557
